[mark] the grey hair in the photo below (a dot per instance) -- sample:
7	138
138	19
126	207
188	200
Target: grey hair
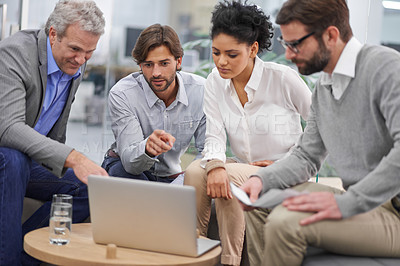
69	12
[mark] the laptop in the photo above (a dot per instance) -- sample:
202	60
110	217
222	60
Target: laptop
145	215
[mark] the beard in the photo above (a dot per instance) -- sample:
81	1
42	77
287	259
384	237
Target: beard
317	63
168	80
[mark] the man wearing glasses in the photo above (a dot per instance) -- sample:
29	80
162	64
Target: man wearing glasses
293	45
355	118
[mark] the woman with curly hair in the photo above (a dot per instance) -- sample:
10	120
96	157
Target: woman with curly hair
256	105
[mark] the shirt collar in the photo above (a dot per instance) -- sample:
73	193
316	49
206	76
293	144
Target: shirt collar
256	74
52	65
346	64
181	96
152	98
254	80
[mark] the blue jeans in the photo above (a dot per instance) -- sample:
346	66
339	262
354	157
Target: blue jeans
20	176
114	167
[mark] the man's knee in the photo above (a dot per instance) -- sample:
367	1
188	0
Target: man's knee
74	186
115	168
284	223
14	166
109	162
13	158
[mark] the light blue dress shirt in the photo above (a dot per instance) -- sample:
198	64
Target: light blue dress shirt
56	95
136	112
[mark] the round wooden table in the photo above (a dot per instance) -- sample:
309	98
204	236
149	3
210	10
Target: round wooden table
82	250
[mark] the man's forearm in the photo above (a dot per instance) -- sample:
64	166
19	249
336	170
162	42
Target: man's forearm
286	173
49	153
136	161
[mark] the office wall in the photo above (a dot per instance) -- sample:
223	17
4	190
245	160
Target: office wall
366	20
390	27
370	22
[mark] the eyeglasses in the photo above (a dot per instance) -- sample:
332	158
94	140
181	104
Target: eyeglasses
293	45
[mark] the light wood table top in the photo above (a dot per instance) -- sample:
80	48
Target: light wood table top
82	250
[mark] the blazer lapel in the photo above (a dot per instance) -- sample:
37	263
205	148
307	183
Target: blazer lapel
42	51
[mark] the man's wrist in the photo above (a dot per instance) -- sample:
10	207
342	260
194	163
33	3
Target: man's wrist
258	178
148	153
254	175
73	158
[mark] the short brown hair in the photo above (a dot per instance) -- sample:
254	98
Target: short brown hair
153	37
317	15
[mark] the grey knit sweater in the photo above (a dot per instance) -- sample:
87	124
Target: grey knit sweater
360	131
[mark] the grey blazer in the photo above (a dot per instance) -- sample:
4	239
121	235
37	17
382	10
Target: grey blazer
23	79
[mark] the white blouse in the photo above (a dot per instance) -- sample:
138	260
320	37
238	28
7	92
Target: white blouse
268	125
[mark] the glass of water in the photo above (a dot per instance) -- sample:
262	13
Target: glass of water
60	219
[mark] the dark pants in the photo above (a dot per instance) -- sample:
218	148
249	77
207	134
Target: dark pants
20	176
114	167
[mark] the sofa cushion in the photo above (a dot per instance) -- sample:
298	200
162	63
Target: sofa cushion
317	257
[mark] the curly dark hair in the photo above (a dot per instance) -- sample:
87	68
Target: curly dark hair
246	23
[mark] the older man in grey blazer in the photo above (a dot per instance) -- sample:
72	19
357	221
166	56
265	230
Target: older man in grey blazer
40	71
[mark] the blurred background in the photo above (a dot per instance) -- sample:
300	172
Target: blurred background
373	22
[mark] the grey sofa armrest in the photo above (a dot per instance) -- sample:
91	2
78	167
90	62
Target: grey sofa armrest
317	257
30	206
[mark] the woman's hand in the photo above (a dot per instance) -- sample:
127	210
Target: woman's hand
218	184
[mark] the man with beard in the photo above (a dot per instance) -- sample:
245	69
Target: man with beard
355	118
155	112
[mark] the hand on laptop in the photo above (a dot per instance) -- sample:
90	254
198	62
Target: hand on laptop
218	184
159	142
82	166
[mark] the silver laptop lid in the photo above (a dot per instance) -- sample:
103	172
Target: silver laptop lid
143	214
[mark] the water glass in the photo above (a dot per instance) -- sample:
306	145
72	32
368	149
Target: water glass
60	219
